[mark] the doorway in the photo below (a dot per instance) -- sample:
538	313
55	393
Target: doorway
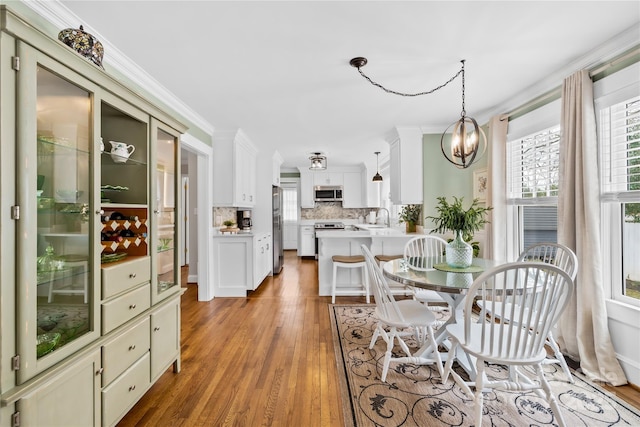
197	167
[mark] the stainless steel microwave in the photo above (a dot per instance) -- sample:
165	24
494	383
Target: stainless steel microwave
327	193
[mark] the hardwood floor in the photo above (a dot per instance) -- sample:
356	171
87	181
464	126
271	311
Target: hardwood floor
267	359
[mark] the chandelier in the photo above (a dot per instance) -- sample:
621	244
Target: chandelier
318	161
461	146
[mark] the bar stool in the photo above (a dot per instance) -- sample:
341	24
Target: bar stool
381	259
349	261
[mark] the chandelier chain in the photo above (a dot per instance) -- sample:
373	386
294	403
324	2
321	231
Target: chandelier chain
418	93
464	112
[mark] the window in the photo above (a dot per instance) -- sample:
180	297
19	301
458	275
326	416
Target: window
619	141
289	203
532	186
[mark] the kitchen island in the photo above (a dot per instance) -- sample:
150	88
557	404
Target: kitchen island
381	241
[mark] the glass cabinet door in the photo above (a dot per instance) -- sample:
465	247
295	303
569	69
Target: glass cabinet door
56	271
165	226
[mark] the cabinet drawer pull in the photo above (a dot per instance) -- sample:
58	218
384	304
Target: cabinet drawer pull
132	306
132	347
156	329
131	388
100	212
99	371
132	275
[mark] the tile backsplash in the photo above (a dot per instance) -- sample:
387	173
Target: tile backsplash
330	210
221	215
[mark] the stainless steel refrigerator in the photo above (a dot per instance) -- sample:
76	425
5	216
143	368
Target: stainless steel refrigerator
278	251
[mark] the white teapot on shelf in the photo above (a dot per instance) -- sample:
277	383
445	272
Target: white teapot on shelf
120	151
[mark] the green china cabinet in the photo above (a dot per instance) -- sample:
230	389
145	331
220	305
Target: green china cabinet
90	289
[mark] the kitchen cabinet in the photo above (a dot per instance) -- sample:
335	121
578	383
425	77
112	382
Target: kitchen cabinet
307	241
405	166
234	172
354	190
277	161
306	190
241	263
351	178
263	258
327	178
90	176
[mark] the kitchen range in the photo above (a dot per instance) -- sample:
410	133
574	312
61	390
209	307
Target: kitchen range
320	226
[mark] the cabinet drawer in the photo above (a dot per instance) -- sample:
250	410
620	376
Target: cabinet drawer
120	277
120	353
125	307
121	394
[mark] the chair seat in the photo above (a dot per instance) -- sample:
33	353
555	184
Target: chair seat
387	258
415	314
347	259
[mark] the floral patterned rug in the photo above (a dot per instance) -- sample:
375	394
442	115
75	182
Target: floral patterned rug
414	395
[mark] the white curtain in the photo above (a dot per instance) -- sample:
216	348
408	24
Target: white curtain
497	188
582	330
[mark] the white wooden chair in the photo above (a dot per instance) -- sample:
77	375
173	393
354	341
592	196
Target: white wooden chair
564	258
541	292
398	318
422	253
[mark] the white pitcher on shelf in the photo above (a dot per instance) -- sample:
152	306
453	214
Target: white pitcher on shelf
120	151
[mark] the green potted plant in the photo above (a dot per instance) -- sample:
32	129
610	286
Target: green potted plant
228	224
463	223
410	214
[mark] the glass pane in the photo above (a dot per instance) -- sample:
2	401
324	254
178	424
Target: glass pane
631	250
165	202
63	194
539	224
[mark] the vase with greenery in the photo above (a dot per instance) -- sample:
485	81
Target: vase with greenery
463	223
228	224
410	215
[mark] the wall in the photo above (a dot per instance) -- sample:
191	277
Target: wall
442	178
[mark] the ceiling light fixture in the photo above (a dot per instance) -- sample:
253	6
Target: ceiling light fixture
461	146
318	161
377	177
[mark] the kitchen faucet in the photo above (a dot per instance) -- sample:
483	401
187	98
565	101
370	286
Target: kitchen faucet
388	220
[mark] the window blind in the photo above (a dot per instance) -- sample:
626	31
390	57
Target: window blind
619	128
289	204
533	165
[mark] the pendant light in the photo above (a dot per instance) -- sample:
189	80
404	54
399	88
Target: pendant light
461	146
377	177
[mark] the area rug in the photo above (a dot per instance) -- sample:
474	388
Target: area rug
414	395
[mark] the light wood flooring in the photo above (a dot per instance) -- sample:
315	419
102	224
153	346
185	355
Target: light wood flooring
264	360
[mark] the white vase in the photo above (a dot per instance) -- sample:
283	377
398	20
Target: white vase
459	253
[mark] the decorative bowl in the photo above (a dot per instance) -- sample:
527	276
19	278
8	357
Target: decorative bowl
68	196
46	343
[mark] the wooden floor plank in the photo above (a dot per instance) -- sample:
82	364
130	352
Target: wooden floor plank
264	360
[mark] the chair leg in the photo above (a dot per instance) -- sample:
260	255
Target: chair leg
478	399
333	284
365	280
387	355
549	395
559	356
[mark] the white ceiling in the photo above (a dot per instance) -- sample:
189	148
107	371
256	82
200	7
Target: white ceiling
280	70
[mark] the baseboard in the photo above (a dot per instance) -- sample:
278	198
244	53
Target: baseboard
192	278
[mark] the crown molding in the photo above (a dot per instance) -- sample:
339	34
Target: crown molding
61	17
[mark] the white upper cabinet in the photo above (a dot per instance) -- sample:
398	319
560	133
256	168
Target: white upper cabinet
277	163
354	195
234	171
327	178
406	173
